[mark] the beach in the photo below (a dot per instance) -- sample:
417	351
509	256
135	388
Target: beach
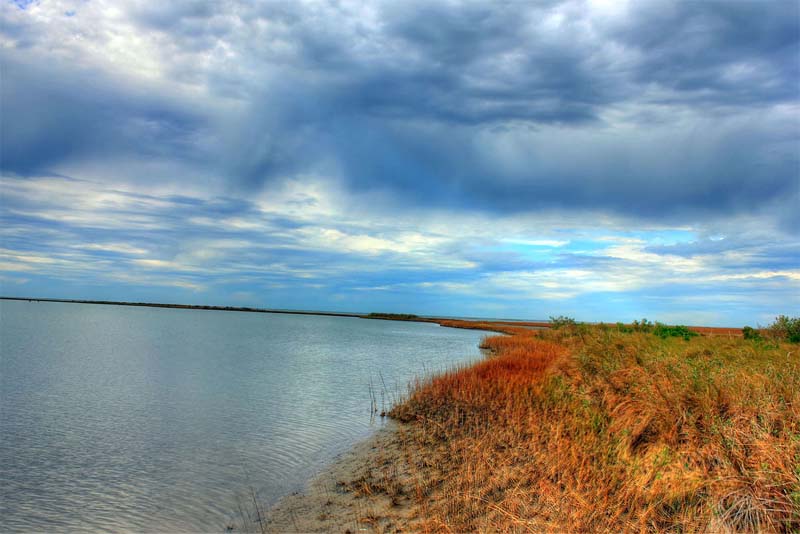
359	492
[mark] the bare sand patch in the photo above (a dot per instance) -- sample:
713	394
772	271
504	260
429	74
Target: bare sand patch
366	489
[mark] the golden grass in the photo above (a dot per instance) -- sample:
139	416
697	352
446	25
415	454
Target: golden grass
589	429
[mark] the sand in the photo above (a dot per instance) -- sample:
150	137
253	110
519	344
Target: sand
365	490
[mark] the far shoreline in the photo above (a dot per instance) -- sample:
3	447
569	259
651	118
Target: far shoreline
380	316
185	306
441	321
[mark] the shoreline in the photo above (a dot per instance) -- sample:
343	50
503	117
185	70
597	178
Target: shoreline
525	439
352	494
371	487
186	306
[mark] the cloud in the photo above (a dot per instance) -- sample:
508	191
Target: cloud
553	112
718	53
470	146
88	235
658	111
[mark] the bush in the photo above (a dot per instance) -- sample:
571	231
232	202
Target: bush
751	333
664	331
625	329
786	328
562	320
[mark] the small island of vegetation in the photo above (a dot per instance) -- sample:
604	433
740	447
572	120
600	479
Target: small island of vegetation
393	316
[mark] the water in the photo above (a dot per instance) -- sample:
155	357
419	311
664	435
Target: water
118	418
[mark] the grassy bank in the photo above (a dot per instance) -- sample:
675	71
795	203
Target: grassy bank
598	428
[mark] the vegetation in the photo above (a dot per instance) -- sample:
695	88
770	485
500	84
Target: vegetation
393	316
665	331
602	429
786	329
751	333
782	329
562	321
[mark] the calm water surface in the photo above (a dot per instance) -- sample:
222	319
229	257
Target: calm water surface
118	419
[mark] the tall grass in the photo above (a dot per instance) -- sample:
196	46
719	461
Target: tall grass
591	429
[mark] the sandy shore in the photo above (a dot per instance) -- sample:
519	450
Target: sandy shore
364	490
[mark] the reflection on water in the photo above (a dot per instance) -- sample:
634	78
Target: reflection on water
147	419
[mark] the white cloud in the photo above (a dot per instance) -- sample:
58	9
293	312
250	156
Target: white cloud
120	248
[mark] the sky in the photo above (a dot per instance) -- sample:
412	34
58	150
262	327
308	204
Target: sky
605	160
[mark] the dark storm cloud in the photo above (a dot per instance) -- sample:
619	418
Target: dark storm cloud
717	51
416	123
53	114
669	111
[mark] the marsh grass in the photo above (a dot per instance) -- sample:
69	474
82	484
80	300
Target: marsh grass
585	428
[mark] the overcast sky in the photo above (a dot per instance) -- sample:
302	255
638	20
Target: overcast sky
601	159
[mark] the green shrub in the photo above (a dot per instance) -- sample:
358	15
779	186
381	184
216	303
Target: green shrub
751	333
786	328
561	321
664	331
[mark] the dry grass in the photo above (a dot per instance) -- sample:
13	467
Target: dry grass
716	331
590	429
